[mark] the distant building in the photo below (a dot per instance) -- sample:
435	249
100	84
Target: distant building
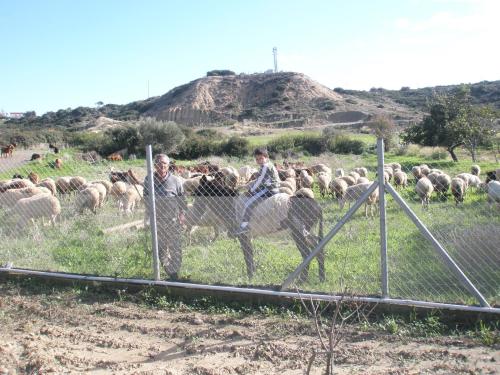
15	114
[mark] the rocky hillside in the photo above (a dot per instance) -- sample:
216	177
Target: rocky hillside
279	97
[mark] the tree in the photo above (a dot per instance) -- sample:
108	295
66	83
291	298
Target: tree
164	136
453	121
124	137
475	126
384	128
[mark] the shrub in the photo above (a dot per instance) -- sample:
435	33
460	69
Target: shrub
127	137
221	72
164	136
88	141
312	144
341	144
235	146
208	133
196	147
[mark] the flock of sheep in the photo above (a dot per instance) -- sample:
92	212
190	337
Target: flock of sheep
31	198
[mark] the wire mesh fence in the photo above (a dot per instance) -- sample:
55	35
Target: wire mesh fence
62	212
103	210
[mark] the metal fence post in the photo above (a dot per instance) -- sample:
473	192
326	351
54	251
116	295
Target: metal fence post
383	222
152	212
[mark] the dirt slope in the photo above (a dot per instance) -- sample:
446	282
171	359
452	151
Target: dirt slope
285	96
71	333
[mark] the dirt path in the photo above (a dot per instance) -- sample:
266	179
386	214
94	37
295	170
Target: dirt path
65	332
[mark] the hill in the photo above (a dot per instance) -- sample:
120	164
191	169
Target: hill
278	99
483	93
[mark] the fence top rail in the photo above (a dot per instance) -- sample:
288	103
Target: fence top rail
217	289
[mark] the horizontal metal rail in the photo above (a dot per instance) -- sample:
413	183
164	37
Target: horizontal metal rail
250	291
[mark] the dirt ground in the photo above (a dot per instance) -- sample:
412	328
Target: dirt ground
63	331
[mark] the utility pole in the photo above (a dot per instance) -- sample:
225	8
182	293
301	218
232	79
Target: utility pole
275	54
148	88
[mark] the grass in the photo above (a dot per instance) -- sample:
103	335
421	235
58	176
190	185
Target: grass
77	244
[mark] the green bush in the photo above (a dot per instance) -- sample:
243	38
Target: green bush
341	144
164	136
195	147
312	144
235	146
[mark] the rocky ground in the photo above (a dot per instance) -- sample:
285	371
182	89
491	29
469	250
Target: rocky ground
69	331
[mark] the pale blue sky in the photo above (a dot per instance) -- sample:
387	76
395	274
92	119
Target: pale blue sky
59	54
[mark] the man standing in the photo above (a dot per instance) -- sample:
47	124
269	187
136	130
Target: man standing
170	205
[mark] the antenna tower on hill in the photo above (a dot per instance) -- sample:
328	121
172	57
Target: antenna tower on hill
275	54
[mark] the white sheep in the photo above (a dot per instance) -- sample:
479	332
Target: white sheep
416	172
118	189
494	193
10	197
349	179
390	172
339	172
246	173
318	168
353	193
131	198
191	184
107	184
324	180
458	188
102	192
306	181
466	177
87	198
63	184
354	175
424	190
231	176
362	171
443	183
35	207
433	178
475	170
396	167
400	179
77	183
16	183
305	193
435	170
362	180
291	185
424	168
475	182
49	184
338	187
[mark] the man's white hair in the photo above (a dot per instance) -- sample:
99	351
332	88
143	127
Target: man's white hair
162	158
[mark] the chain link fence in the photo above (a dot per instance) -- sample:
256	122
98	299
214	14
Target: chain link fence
108	224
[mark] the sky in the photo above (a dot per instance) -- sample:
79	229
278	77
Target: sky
58	54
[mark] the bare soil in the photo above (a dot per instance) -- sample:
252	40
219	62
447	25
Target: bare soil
64	331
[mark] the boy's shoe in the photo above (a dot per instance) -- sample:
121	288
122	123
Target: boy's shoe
242	230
